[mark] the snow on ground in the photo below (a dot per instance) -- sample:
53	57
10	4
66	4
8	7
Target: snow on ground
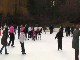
44	49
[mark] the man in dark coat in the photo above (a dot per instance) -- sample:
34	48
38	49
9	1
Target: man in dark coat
51	29
61	28
75	42
26	30
72	29
67	30
4	41
59	36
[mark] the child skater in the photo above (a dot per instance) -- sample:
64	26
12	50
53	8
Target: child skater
22	38
59	37
33	34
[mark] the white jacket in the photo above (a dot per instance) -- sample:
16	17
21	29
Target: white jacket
22	37
29	29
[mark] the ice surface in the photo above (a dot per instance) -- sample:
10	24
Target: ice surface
44	49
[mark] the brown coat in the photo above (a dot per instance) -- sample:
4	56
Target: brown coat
4	38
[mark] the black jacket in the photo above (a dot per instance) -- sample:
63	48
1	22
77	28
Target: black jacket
59	35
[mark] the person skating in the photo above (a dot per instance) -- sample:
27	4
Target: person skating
4	41
12	36
59	36
33	34
61	28
75	42
72	29
67	30
22	38
51	29
26	31
44	29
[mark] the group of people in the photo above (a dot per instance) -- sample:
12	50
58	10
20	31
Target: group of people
75	42
26	32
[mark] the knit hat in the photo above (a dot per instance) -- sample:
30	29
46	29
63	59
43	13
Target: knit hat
22	29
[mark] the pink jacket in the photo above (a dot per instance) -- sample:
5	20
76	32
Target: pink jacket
11	29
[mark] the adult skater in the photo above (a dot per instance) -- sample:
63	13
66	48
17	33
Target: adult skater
67	30
22	38
44	28
75	42
35	29
29	32
26	30
51	29
61	27
59	36
72	29
12	36
4	41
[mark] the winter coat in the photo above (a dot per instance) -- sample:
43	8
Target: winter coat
4	38
26	29
59	35
22	37
75	41
11	29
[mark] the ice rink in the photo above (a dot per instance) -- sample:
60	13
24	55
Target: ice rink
44	49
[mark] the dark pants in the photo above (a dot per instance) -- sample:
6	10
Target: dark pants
26	35
76	54
51	31
11	39
59	44
29	34
22	47
2	49
12	42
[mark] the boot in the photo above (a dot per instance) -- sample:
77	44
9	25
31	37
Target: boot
23	53
6	53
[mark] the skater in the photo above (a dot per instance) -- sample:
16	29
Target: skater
44	29
61	27
22	38
59	36
75	42
15	28
51	29
67	30
26	31
29	32
35	31
72	29
33	34
4	41
12	36
39	33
